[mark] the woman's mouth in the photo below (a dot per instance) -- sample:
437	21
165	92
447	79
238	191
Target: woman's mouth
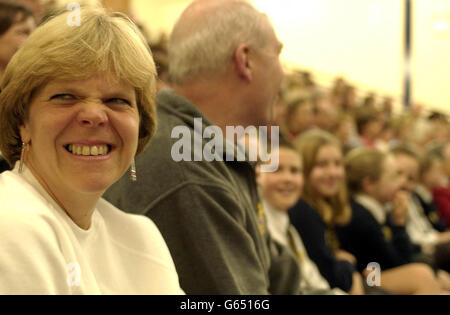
286	191
88	150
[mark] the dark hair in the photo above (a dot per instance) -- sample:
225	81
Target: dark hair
9	12
363	116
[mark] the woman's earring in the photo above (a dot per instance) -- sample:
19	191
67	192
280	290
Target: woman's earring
133	171
23	155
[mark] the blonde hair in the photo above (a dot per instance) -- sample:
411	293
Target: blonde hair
335	210
103	43
206	44
363	163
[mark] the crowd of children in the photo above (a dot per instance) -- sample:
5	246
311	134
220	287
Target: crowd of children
358	184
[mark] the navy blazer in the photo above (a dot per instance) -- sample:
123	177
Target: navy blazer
313	231
369	241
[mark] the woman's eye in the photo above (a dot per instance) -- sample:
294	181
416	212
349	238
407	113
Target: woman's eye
118	101
63	97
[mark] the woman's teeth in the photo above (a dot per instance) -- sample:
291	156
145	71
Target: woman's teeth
94	150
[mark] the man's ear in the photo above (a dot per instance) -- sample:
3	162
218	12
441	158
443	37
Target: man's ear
242	62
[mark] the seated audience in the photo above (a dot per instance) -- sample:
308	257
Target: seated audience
325	208
376	234
280	190
74	111
441	194
430	178
419	228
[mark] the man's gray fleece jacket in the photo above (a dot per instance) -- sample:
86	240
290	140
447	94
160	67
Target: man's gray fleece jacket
208	213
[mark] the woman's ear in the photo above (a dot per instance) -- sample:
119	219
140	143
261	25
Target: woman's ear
242	62
25	133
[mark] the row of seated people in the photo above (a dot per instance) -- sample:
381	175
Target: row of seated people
354	211
188	233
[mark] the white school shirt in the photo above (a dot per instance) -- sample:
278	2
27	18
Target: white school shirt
372	205
279	228
418	227
42	251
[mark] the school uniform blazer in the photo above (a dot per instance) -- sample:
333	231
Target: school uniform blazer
425	198
372	241
312	229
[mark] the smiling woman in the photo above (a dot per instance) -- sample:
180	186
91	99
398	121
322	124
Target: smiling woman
77	104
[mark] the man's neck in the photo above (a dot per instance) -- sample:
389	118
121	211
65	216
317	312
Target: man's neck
216	101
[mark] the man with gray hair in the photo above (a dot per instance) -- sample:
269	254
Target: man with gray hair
224	68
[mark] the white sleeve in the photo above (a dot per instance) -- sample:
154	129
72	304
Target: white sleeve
31	261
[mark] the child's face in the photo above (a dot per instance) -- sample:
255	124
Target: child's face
328	174
344	131
390	181
434	176
408	168
373	129
282	188
302	119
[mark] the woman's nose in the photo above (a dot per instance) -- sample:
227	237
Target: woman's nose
92	114
336	170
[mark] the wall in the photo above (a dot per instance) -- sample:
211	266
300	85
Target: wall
361	40
158	15
431	66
